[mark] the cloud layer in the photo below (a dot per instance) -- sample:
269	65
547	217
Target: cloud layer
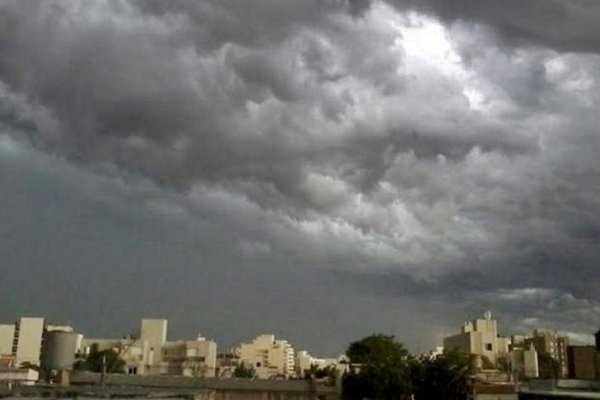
433	149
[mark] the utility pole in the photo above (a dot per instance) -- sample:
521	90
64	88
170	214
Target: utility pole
103	372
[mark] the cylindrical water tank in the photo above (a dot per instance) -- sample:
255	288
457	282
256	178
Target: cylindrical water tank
59	350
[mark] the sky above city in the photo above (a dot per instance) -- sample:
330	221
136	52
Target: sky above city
316	169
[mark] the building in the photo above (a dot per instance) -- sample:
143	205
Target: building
227	362
523	360
21	342
305	362
480	337
152	354
154	331
196	358
7	338
549	342
584	362
28	338
18	376
270	358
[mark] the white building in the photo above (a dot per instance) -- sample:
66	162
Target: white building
304	363
196	358
7	338
19	376
152	354
28	339
479	337
269	357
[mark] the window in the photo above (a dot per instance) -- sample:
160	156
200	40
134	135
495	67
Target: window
488	346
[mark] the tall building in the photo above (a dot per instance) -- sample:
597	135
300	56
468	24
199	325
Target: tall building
28	340
268	357
7	338
154	331
549	342
479	337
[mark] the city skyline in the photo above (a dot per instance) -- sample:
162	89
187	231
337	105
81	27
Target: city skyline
320	169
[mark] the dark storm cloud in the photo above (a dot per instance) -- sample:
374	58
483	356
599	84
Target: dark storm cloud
428	148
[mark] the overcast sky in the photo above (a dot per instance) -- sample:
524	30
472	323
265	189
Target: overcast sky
318	169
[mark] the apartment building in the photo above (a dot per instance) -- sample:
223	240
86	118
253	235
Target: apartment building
479	337
269	357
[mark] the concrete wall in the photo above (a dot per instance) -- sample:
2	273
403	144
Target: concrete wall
487	396
226	388
21	376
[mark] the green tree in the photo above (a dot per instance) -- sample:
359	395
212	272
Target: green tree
444	377
241	371
383	369
94	361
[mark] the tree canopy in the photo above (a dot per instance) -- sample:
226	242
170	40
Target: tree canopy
381	368
242	371
446	376
93	362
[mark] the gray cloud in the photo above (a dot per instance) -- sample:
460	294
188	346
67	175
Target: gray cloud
406	151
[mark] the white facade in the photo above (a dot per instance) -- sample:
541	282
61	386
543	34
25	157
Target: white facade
530	363
29	333
196	358
268	357
479	337
154	331
151	354
135	353
7	336
21	376
304	362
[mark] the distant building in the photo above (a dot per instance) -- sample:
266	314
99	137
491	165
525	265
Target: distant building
227	362
28	340
524	360
304	363
549	342
584	362
21	342
479	337
19	376
152	354
269	357
196	358
7	338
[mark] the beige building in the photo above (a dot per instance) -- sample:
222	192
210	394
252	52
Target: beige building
7	338
523	359
549	342
196	358
152	354
27	344
479	337
269	357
